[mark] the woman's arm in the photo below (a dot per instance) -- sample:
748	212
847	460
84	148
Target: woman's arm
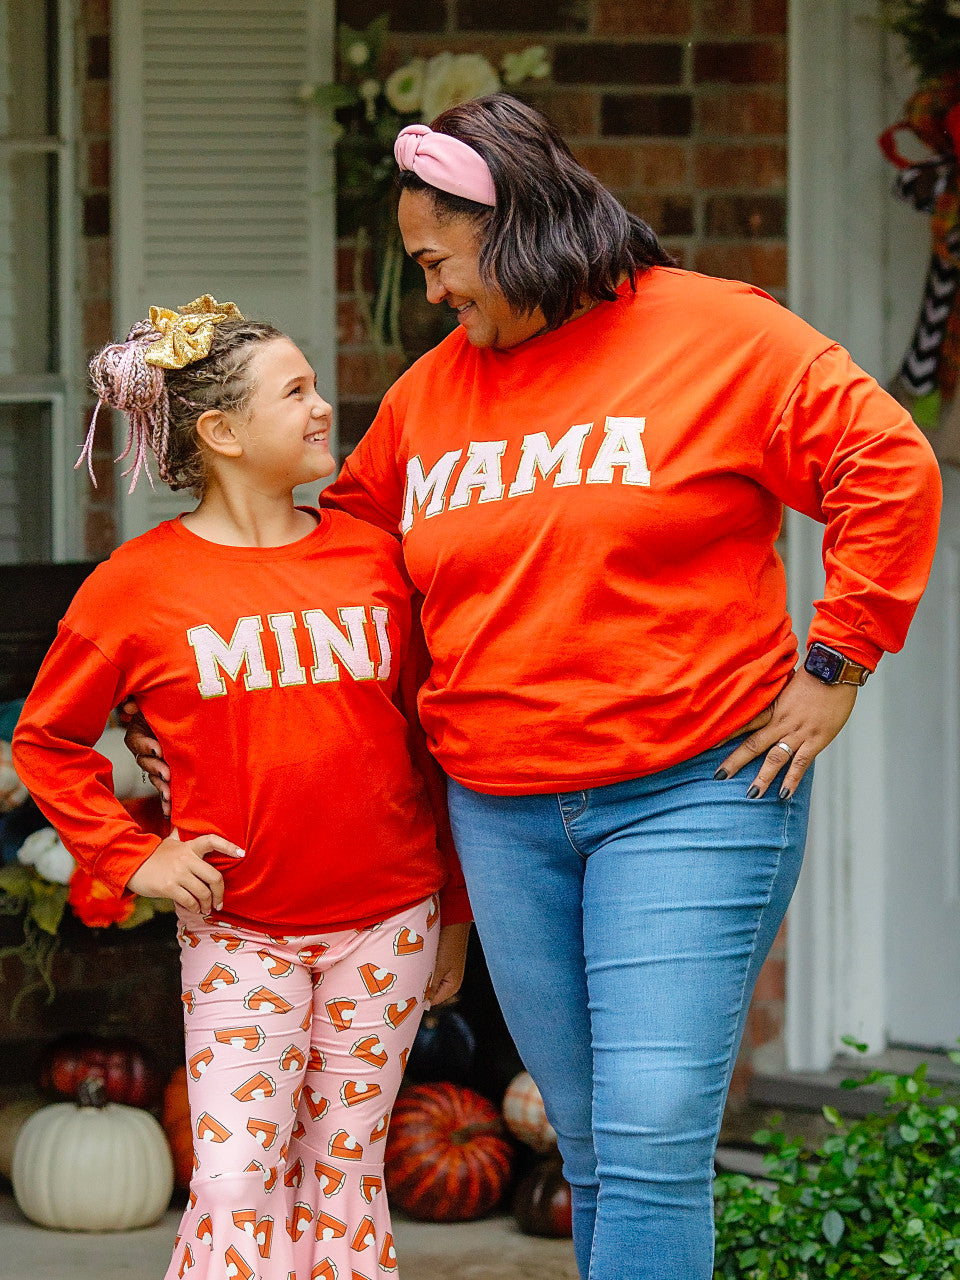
146	749
371	481
847	454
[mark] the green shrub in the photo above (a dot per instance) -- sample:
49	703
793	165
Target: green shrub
879	1199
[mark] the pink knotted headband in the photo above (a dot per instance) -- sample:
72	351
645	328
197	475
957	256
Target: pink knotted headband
445	163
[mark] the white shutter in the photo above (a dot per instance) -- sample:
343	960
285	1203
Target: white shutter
223	183
6	203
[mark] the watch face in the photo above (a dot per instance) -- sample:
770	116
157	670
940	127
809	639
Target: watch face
823	664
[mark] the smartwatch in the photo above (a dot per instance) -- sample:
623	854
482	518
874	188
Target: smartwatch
832	667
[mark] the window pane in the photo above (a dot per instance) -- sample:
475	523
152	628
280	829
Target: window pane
26	198
25	515
29	45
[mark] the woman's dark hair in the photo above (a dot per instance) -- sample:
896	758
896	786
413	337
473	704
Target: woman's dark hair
557	237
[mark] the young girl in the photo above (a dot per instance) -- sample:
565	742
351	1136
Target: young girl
265	643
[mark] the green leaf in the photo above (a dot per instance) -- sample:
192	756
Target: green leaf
332	97
832	1115
46	910
892	1257
853	1043
16	879
832	1226
143	910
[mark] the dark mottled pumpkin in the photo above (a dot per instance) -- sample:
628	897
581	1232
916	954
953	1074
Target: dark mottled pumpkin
126	1068
447	1157
542	1204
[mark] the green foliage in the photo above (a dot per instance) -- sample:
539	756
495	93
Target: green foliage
879	1199
930	31
22	890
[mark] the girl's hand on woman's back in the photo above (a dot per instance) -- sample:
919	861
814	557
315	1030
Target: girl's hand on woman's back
177	869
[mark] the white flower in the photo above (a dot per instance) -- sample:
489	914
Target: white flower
44	851
368	90
454	78
404	88
358	54
528	64
12	791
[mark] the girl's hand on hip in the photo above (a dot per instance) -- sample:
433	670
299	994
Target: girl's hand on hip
804	719
450	964
141	743
177	869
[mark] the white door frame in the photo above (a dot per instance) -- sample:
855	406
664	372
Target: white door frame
839	219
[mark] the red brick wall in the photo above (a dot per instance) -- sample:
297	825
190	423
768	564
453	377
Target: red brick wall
679	106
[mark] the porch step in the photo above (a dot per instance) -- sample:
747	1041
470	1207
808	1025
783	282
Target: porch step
740	1159
772	1085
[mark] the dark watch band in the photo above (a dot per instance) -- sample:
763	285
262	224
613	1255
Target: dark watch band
832	667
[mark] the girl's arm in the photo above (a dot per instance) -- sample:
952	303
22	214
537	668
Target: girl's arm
55	756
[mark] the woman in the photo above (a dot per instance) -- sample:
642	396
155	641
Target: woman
588	478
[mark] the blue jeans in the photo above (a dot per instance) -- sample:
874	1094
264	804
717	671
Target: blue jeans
624	928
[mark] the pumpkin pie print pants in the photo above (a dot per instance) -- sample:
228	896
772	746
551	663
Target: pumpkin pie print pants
295	1050
624	927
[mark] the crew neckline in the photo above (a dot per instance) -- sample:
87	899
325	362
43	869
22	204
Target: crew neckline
225	551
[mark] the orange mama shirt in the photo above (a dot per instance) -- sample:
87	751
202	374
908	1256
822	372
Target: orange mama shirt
591	518
270	677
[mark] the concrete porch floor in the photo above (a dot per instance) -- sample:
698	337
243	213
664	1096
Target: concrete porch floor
492	1249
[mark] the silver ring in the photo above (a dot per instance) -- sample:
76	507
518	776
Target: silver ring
144	775
785	747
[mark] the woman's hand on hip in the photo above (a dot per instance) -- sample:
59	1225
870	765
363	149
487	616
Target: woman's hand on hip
804	719
141	743
177	869
450	964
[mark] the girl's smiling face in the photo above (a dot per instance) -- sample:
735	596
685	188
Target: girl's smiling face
285	428
448	250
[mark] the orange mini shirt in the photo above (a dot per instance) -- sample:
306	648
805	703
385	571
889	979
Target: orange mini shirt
271	678
591	517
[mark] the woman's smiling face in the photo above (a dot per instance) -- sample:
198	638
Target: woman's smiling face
448	250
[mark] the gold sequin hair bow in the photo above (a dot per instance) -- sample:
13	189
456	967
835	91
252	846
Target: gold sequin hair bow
187	333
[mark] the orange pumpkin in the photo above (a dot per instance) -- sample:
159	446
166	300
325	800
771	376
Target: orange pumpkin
447	1159
177	1126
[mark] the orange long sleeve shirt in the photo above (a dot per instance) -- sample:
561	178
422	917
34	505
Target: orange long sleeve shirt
591	516
271	677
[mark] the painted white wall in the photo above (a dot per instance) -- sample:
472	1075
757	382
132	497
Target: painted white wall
857	260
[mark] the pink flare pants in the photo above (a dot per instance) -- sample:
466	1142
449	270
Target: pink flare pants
295	1050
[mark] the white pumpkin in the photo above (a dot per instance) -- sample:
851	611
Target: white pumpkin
525	1116
90	1167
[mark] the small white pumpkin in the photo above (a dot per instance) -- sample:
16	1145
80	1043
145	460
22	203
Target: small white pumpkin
92	1166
